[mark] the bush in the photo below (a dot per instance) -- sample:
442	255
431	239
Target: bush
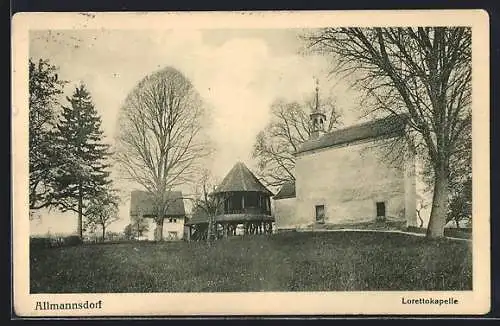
54	241
40	243
72	240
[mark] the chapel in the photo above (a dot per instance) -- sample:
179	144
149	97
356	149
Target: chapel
344	176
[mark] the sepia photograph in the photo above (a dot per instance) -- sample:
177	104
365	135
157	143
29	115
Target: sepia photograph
245	162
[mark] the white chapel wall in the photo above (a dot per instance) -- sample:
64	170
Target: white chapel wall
284	213
349	181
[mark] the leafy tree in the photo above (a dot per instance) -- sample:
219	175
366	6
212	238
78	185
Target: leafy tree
128	232
139	225
160	143
102	210
289	127
83	174
45	87
424	72
460	207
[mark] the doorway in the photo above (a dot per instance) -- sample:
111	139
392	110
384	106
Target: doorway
380	209
320	213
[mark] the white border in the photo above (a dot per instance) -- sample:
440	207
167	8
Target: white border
272	303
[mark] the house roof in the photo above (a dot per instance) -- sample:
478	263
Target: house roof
389	126
287	190
141	202
240	178
198	217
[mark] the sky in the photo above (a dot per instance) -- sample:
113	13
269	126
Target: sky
238	74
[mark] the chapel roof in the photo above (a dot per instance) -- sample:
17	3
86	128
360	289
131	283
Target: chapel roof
240	178
141	203
287	190
389	126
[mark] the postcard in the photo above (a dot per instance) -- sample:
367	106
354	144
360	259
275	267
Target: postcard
250	163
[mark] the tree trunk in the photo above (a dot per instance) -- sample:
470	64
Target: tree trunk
210	229
437	220
80	211
159	229
103	232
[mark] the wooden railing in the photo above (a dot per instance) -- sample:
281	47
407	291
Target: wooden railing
248	210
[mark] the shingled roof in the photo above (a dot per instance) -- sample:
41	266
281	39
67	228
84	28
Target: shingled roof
141	203
287	190
240	178
389	126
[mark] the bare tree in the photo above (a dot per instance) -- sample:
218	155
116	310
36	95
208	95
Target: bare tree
289	127
160	142
424	72
421	205
207	202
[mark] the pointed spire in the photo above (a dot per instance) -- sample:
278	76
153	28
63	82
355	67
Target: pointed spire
317	117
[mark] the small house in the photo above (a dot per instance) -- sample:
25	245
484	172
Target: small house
142	207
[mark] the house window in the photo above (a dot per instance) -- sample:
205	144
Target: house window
380	209
320	213
172	235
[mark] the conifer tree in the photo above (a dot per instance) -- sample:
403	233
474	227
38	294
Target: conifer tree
45	87
83	173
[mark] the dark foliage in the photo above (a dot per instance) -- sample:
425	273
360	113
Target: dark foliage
45	87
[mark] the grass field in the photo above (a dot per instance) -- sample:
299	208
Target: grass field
326	261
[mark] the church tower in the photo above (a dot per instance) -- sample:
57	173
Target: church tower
317	117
